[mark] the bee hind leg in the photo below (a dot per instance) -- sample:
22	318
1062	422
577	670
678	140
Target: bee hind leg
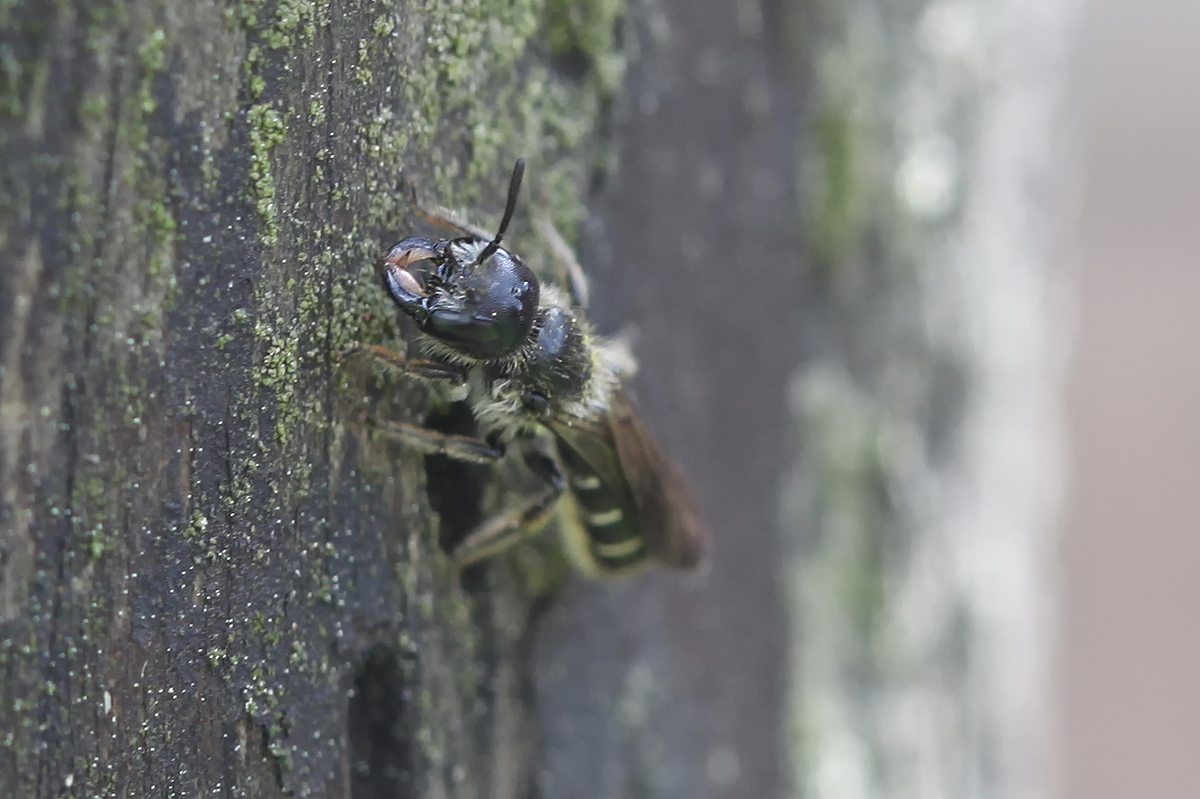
511	526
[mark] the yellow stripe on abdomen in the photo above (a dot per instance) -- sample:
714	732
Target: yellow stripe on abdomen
619	550
585	482
605	518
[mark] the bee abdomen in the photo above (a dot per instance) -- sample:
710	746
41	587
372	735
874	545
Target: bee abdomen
614	540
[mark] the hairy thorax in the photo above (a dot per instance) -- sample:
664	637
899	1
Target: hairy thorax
564	371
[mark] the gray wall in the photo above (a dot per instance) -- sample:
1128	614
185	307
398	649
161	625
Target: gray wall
1131	555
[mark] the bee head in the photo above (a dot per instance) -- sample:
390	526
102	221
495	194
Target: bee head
472	296
482	310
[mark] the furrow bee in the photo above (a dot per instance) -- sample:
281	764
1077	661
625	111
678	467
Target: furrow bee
542	386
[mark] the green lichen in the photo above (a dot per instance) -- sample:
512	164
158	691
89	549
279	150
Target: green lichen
23	76
198	528
267	131
316	112
855	452
243	15
362	72
98	542
455	97
836	195
292	17
384	26
255	82
842	182
153	217
590	28
10	83
94	110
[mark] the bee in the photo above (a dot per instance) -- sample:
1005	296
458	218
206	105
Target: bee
541	386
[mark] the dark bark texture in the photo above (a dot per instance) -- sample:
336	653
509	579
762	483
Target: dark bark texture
214	582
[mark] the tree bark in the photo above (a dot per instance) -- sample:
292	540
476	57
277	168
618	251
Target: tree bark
214	581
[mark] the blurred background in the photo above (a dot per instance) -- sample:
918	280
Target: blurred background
1129	674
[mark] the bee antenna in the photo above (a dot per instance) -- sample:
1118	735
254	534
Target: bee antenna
514	188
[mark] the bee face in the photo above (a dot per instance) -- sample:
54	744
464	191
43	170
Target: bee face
479	304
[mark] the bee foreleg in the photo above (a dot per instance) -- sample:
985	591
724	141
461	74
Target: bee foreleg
429	370
435	442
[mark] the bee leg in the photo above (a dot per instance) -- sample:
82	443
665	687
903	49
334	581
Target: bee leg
429	370
506	529
571	273
435	442
445	219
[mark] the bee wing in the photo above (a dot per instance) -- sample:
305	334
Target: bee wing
592	441
667	508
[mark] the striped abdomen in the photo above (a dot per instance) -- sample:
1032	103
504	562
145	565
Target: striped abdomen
613	543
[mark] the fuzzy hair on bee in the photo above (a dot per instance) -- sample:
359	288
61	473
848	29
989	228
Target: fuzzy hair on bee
562	371
528	363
